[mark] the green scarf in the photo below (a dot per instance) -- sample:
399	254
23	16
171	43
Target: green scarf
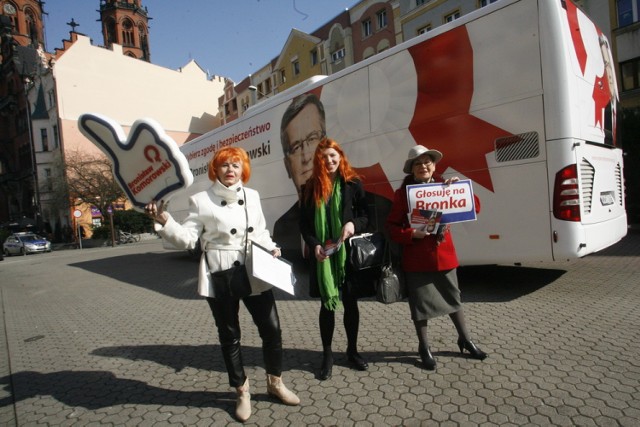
331	272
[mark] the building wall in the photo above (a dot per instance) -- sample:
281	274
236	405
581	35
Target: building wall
294	62
93	79
432	13
340	40
47	148
375	38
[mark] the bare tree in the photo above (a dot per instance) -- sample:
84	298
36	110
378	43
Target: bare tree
90	180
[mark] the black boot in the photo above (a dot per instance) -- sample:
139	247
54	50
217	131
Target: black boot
327	365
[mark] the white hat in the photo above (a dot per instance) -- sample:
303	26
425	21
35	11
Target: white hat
417	151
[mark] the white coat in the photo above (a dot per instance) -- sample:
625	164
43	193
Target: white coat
217	218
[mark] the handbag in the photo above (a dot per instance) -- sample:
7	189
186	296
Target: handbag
367	250
233	282
362	283
365	258
390	285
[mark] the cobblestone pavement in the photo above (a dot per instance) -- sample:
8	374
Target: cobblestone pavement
118	336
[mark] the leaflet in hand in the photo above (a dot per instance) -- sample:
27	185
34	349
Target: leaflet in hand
331	247
425	220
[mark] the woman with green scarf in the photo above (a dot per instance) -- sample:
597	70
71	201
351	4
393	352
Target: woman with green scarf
333	209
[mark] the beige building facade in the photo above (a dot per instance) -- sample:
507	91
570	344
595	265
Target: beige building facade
92	79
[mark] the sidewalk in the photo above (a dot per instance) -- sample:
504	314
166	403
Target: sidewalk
118	336
96	243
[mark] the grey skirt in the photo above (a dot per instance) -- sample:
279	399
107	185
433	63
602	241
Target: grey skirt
433	294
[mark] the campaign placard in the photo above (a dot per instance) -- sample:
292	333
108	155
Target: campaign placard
148	165
445	203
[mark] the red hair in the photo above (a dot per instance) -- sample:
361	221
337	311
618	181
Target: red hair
320	186
230	154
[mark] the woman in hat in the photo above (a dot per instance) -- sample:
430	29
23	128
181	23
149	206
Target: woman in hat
429	261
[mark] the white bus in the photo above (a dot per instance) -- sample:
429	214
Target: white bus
520	97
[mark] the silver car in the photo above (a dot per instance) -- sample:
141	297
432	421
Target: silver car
25	243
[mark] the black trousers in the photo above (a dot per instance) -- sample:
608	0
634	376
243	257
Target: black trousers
265	315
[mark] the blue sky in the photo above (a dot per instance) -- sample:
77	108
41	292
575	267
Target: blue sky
230	38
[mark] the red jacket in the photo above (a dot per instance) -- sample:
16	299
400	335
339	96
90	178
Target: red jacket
418	254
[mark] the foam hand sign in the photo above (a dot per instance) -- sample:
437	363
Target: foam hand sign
147	165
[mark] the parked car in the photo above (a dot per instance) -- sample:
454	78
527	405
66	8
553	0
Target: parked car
25	243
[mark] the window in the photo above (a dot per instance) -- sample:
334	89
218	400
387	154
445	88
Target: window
314	57
452	16
45	139
31	26
56	137
366	28
231	107
484	3
630	72
382	18
420	2
52	98
111	31
424	29
267	86
628	11
295	67
20	122
127	33
283	77
48	183
337	55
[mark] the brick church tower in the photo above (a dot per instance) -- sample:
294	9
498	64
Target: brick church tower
25	18
126	23
21	59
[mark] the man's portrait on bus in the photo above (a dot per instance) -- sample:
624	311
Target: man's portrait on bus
303	126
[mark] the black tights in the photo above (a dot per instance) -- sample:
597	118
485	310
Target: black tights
265	315
327	322
458	321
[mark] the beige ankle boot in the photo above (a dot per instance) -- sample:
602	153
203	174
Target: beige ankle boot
243	405
276	388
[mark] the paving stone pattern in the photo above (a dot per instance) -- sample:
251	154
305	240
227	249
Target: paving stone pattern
118	336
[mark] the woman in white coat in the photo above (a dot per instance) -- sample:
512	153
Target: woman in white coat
220	219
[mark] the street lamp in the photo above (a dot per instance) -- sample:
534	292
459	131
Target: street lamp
113	234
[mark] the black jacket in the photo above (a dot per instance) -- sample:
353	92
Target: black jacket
354	209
